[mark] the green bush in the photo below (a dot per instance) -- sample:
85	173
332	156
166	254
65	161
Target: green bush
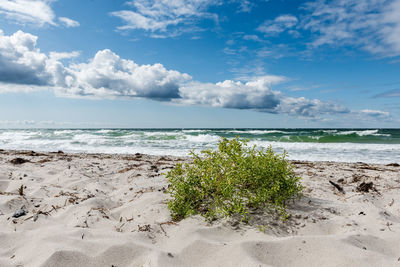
232	180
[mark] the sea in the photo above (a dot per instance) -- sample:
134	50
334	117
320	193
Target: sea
342	145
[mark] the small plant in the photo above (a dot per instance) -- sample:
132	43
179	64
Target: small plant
232	180
262	228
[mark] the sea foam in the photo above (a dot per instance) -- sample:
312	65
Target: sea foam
346	145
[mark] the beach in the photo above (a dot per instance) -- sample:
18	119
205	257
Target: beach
78	209
199	133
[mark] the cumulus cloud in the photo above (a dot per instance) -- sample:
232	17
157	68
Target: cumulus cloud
69	23
309	107
20	61
23	67
107	75
19	88
256	94
278	25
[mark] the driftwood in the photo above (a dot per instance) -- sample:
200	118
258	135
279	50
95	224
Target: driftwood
338	187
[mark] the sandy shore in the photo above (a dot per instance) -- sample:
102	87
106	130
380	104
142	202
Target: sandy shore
109	210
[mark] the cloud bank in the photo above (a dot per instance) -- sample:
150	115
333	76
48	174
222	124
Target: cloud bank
106	75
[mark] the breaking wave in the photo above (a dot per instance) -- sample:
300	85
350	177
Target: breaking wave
350	145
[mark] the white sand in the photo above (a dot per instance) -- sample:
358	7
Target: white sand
104	210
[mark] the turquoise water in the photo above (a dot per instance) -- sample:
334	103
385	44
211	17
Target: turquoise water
350	145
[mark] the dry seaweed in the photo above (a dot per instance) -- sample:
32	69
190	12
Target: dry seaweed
366	187
144	228
19	161
393	165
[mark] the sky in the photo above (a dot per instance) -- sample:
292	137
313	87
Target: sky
199	64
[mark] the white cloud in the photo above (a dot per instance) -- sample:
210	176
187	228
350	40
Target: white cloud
375	113
278	25
36	12
20	61
69	23
252	37
391	32
166	18
373	25
256	94
309	107
107	75
24	67
245	5
158	15
19	88
64	55
135	20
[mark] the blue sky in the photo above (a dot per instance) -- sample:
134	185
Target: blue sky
199	63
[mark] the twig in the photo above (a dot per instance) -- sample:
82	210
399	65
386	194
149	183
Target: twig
338	187
167	223
162	228
356	194
30	217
